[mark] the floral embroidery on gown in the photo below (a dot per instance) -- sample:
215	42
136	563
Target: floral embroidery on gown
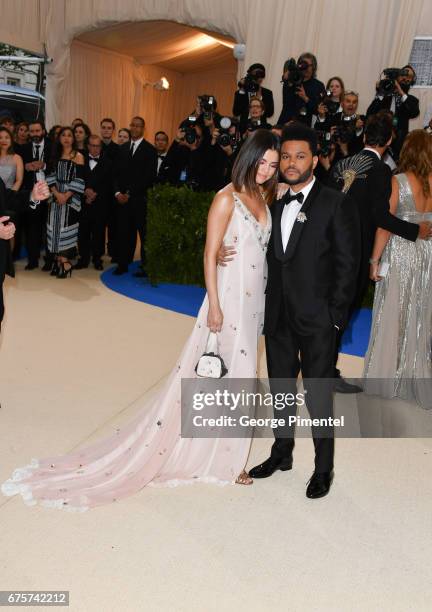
150	450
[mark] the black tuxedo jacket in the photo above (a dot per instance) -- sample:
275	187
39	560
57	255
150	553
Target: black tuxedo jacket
371	190
27	155
407	110
241	104
135	173
317	273
111	150
10	202
292	104
99	179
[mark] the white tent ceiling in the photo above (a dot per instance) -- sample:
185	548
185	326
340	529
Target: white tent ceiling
165	43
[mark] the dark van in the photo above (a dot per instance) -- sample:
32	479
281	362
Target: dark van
23	104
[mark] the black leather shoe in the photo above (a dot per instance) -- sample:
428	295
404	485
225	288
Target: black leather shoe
140	274
80	265
31	266
319	484
266	469
98	265
119	271
342	386
47	266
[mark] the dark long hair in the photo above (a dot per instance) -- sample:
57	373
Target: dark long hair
86	129
10	150
57	149
246	165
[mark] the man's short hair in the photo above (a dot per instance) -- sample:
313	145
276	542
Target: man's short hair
299	131
93	136
140	118
379	129
163	134
38	122
108	120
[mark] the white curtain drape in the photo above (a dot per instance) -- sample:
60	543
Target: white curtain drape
106	84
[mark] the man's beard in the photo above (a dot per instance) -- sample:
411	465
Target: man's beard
302	178
36	139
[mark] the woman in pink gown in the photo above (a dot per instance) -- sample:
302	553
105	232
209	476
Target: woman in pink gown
150	450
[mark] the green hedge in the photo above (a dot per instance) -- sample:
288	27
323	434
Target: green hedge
176	228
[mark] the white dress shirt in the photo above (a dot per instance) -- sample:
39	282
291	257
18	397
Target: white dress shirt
290	212
40	152
136	144
93	162
373	151
161	158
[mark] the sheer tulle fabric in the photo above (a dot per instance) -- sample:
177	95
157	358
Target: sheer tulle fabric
150	450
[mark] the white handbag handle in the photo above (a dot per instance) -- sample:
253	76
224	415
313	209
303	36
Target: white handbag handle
212	343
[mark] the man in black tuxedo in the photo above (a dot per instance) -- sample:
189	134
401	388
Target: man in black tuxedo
256	73
94	214
403	105
313	257
12	202
110	149
135	173
36	155
367	180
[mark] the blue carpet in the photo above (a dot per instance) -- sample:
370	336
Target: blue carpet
186	299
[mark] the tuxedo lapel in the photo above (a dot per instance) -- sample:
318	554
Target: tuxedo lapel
298	225
277	234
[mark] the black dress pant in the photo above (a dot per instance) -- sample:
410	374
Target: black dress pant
1	303
288	351
91	233
131	218
32	227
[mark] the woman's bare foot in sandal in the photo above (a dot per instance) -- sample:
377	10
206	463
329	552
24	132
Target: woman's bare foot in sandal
244	479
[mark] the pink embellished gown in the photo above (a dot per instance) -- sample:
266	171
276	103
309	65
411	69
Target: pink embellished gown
149	451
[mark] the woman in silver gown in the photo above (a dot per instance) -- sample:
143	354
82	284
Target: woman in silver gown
398	361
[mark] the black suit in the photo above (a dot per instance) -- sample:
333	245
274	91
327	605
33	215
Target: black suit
11	202
34	221
370	192
94	216
404	111
241	104
309	290
134	175
111	150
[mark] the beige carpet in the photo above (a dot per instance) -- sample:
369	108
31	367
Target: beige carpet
74	358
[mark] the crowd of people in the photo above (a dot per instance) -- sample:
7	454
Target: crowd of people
306	213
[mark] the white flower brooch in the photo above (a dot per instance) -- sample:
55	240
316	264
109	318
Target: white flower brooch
301	217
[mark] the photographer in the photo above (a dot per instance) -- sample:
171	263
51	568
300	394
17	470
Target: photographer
392	94
191	157
225	145
256	119
301	91
344	128
331	104
251	87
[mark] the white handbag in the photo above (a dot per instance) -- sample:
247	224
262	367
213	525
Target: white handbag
211	364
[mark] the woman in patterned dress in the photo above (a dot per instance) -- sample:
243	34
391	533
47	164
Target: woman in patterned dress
66	184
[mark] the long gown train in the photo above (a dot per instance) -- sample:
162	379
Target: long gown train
150	450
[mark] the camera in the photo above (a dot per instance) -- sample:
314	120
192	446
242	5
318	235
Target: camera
331	105
254	124
324	142
296	72
249	84
188	126
386	86
208	106
225	138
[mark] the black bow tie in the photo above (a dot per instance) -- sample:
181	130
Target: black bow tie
93	158
297	196
161	156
